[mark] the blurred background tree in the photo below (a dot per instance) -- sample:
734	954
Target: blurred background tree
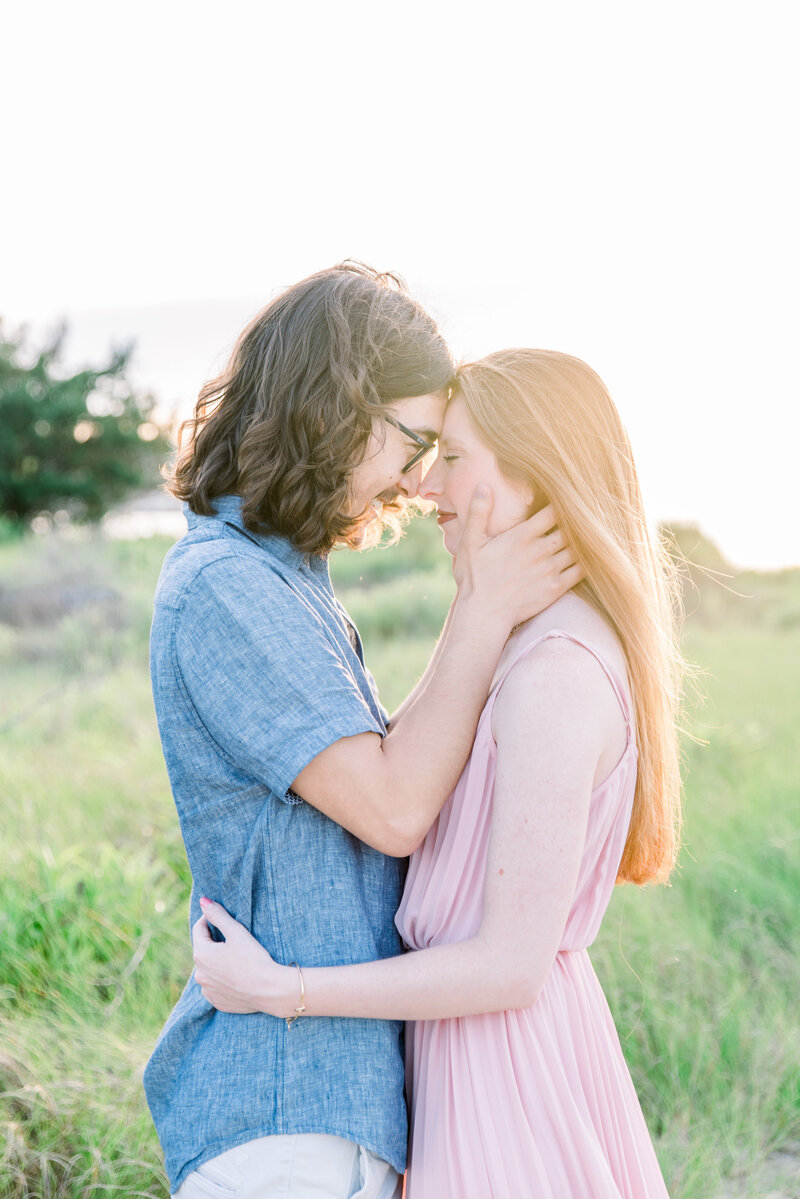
71	442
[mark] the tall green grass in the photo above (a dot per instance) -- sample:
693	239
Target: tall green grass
702	977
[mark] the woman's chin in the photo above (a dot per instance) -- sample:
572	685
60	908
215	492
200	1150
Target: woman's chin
449	539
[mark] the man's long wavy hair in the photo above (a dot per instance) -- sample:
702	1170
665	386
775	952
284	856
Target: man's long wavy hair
550	422
291	414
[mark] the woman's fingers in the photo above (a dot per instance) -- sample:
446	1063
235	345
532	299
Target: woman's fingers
201	933
227	972
216	914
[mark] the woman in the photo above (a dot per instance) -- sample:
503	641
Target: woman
517	1080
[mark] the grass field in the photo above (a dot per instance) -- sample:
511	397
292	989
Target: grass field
702	977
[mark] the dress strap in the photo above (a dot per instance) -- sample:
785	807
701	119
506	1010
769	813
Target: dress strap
611	674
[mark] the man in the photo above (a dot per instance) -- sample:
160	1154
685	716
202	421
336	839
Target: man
297	806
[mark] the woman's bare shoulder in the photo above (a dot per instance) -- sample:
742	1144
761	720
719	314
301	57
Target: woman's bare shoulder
577	618
557	683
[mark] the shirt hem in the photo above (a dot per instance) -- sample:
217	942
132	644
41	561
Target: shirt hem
253	1134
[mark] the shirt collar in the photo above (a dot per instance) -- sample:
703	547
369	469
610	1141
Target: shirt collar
228	509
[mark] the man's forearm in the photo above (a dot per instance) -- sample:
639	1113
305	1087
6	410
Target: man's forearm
388	792
425	754
417	691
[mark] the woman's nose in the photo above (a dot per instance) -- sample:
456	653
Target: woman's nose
430	487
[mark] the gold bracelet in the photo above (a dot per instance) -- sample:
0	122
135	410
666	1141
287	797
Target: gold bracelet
298	1011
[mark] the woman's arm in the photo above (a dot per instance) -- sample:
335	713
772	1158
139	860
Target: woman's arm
554	716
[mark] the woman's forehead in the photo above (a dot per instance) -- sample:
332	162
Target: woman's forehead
457	421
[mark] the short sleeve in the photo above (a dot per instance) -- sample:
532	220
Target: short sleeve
265	673
374	689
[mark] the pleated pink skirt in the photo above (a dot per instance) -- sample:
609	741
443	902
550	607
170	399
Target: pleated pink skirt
537	1102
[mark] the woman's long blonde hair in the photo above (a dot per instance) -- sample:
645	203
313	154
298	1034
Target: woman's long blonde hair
551	423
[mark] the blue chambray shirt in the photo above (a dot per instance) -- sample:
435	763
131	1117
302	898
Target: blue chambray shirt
255	670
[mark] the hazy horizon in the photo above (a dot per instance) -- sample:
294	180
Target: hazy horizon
610	180
182	343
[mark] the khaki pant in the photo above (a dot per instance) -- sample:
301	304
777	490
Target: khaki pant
301	1166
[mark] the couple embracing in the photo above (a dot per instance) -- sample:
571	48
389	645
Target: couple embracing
533	767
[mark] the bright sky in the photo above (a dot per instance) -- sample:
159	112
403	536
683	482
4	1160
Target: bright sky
618	180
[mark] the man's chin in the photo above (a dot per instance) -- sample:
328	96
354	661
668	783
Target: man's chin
365	523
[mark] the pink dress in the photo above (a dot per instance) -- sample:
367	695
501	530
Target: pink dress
536	1102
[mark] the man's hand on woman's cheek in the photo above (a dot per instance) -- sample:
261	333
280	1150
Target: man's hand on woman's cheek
520	572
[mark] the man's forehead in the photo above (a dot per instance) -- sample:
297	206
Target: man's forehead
420	412
425	431
422	426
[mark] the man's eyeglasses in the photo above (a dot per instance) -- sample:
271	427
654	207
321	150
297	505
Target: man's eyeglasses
426	447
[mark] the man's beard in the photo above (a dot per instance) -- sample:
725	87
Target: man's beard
375	507
374	511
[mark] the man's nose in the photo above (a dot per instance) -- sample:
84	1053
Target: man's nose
411	483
